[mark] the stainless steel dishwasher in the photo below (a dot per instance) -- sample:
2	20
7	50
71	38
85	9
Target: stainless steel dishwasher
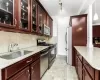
44	62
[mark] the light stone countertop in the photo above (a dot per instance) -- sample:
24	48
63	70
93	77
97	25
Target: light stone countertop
91	55
5	63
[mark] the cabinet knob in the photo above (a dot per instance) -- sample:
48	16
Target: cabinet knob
28	71
32	68
29	61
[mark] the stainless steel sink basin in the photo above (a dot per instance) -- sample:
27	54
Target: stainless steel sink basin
15	54
27	52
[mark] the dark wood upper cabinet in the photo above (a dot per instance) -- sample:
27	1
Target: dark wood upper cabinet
7	16
45	17
40	19
23	14
33	16
50	24
79	32
48	19
26	16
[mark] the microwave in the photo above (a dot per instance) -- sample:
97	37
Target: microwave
46	30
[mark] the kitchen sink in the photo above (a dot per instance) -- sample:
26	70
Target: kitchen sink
27	52
14	55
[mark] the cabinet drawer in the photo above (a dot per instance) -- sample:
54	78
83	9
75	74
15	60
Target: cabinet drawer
90	70
13	69
36	56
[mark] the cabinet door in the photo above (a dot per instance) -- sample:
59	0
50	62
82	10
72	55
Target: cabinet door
34	15
76	63
22	75
97	75
86	75
7	16
50	23
48	20
35	70
40	19
79	64
88	67
44	18
24	15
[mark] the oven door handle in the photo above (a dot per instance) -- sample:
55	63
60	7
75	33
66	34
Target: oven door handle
44	53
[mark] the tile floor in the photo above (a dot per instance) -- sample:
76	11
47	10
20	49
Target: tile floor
60	71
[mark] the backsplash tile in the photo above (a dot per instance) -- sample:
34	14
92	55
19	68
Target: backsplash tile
23	40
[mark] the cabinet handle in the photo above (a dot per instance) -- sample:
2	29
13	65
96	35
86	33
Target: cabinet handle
15	22
28	71
29	61
28	74
32	68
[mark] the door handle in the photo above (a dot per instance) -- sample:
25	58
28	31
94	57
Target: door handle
44	54
66	49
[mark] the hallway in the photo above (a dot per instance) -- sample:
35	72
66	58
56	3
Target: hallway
60	71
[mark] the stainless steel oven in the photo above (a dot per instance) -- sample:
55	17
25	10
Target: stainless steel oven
52	55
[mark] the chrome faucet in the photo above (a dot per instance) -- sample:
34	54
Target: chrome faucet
11	46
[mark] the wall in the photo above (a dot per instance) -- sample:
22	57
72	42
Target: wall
23	40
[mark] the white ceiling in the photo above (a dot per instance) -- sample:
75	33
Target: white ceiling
70	7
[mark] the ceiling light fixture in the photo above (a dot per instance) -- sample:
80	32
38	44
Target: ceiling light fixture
95	15
60	4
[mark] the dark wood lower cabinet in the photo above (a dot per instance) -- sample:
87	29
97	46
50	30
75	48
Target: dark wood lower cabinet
23	75
27	69
79	68
35	70
86	75
32	72
76	63
97	75
84	70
